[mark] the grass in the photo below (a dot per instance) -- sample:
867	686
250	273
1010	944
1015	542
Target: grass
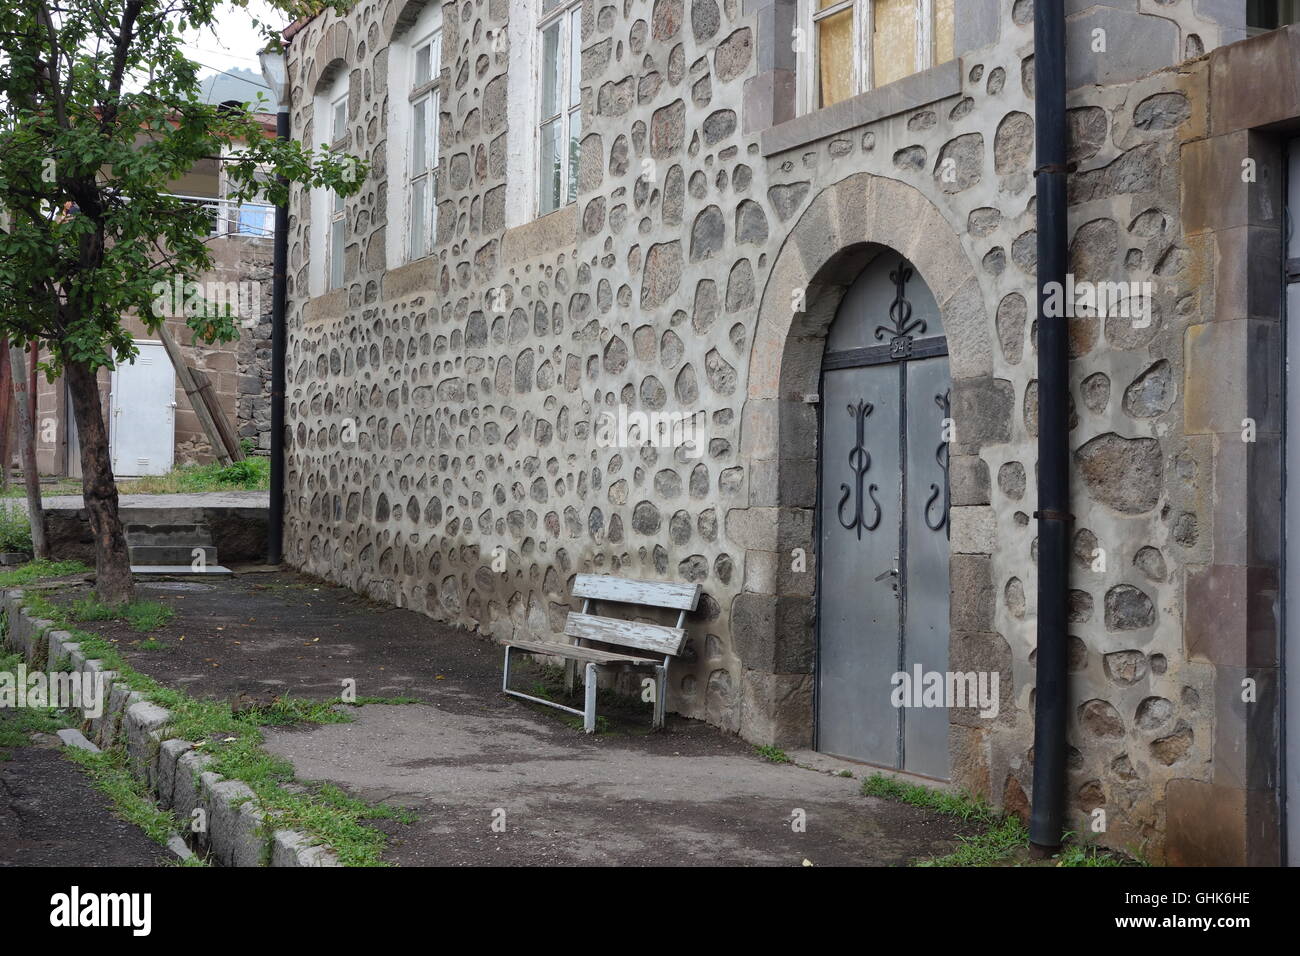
17	724
15	529
989	848
251	474
959	804
234	744
772	754
1076	854
143	616
110	774
39	570
49	489
1003	840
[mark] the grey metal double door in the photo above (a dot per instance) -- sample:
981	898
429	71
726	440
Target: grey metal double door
883	525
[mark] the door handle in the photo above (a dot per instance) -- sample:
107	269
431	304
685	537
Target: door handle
884	574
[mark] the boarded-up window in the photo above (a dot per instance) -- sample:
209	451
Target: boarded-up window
856	45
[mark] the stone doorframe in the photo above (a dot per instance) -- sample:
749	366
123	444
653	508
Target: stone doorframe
774	618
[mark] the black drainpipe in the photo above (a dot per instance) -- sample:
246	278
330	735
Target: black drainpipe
280	259
1052	697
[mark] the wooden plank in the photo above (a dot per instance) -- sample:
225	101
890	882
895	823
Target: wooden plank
578	653
607	587
192	393
209	396
610	630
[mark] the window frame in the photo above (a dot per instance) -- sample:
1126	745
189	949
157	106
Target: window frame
428	93
807	19
565	13
337	207
230	219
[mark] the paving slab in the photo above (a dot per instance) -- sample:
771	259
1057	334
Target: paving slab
692	794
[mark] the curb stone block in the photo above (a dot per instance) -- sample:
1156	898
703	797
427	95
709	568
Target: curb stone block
107	725
59	640
169	756
172	769
141	719
233	822
75	738
290	848
187	792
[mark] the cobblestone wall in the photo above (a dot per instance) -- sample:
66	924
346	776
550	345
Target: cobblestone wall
443	414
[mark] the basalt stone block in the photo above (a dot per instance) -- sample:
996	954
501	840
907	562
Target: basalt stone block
973	598
1149	44
1205	824
982	410
777	709
969	480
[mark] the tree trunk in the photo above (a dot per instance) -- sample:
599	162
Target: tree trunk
6	414
98	490
27	441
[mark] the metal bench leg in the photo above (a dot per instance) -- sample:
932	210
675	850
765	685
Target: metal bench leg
505	674
661	691
589	715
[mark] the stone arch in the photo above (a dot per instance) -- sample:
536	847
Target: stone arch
399	17
334	53
774	619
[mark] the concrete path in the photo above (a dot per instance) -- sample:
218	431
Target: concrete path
52	815
690	795
565	798
202	499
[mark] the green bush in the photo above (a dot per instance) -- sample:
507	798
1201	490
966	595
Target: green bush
15	529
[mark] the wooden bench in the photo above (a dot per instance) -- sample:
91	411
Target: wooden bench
627	644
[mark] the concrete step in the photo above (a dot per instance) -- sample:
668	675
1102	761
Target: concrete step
176	569
172	554
159	534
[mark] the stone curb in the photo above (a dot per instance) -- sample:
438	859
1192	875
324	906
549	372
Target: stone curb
172	769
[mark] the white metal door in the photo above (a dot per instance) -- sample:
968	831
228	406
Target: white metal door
142	435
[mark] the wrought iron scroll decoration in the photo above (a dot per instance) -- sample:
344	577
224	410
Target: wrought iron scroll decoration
941	456
900	313
860	462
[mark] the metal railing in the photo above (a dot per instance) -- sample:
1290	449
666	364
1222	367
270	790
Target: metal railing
231	218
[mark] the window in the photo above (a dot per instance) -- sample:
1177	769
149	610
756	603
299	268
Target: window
847	47
559	125
328	231
337	219
253	217
422	176
1265	15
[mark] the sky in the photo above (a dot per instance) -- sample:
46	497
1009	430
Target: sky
234	43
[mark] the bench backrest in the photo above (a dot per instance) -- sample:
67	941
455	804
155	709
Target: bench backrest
653	638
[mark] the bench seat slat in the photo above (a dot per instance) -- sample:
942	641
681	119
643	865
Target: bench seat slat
594	654
607	587
655	638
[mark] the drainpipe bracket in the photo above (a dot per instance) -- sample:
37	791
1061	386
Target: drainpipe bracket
1053	168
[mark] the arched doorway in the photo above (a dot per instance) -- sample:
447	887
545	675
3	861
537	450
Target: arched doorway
841	231
883	523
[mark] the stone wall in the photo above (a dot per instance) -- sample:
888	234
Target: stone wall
442	415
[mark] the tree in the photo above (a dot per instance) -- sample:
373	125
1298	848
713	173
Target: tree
99	112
